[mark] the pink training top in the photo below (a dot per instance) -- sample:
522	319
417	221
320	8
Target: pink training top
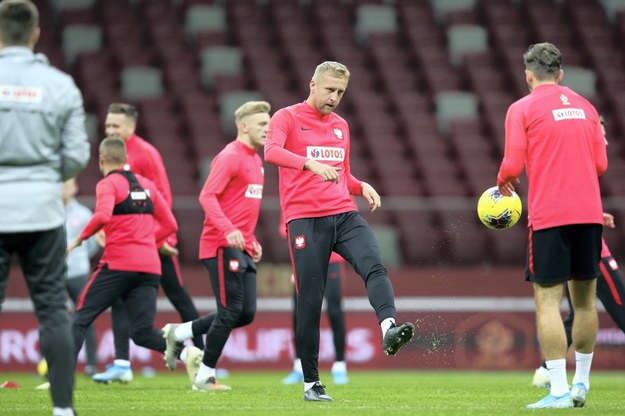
231	198
296	134
131	240
556	134
143	158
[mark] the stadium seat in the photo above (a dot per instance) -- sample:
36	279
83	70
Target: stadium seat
442	7
138	83
218	60
463	39
80	38
228	103
204	18
65	5
374	18
454	105
581	80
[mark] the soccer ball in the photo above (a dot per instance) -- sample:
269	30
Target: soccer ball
42	368
499	212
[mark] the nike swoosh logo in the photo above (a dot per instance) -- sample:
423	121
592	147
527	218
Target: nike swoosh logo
306	128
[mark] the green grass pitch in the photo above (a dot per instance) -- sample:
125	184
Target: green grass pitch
368	393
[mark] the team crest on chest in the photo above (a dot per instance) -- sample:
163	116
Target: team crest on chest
300	242
338	133
233	265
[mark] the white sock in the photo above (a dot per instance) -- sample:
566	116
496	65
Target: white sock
62	411
339	367
184	331
543	371
557	376
122	363
386	324
297	366
582	368
183	353
308	386
205	372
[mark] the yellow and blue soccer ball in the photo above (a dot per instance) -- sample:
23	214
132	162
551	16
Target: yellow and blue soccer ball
499	212
42	368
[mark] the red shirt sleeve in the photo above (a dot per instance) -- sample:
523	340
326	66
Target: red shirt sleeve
353	185
166	224
104	205
515	148
279	126
222	170
601	155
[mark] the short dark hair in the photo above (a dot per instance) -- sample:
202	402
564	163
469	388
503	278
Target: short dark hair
18	21
113	150
544	60
128	110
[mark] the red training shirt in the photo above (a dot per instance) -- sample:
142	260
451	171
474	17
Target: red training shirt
296	134
143	158
556	134
231	198
131	240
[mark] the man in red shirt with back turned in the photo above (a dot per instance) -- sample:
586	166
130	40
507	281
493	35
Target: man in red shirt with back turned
557	135
310	145
136	220
144	159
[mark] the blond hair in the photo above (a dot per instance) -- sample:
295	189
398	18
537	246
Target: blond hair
113	150
249	108
331	68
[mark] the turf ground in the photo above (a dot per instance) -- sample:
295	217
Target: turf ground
368	393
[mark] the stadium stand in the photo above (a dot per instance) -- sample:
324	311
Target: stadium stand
404	55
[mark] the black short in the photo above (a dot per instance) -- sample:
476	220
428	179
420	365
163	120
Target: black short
558	254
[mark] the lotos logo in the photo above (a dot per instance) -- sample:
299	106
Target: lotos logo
336	154
300	242
20	94
254	191
569	114
233	265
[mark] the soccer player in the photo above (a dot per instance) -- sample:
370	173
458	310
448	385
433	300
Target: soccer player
556	134
310	145
144	159
43	142
610	291
136	219
231	198
334	299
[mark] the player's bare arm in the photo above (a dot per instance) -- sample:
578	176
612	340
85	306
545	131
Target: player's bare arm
372	197
326	172
71	246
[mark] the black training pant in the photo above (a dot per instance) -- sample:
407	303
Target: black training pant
233	280
174	289
311	241
41	256
336	316
137	291
74	287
